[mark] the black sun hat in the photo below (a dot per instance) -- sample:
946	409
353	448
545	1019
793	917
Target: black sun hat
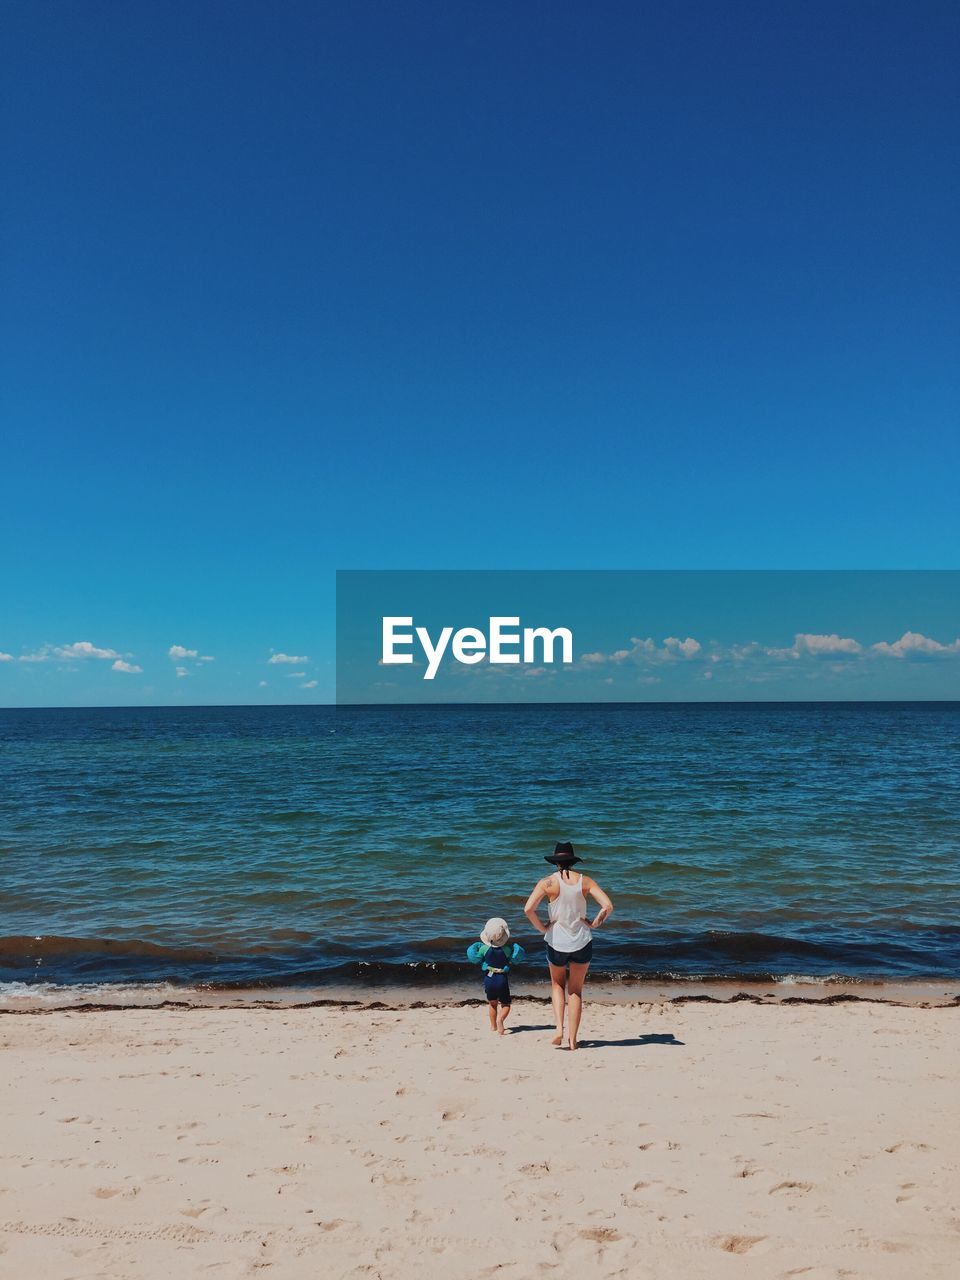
563	855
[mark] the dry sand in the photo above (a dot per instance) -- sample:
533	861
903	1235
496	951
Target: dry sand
690	1140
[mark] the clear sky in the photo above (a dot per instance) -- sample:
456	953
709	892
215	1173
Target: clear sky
292	288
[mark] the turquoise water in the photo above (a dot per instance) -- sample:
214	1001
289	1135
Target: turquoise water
297	845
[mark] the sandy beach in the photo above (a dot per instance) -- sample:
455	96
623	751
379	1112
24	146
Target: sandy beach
683	1140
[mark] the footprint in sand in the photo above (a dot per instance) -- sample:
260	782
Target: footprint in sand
107	1193
195	1211
816	1273
637	1202
790	1186
392	1179
738	1244
601	1235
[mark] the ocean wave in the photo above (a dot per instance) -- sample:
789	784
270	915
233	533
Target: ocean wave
295	958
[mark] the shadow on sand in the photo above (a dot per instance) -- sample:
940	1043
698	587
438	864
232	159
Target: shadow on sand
632	1042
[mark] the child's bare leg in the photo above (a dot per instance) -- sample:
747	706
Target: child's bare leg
558	998
492	1010
503	1015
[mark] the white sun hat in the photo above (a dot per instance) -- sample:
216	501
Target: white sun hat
495	932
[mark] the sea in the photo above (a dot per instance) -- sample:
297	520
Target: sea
299	847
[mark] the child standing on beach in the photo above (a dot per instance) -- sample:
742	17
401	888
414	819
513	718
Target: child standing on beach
495	953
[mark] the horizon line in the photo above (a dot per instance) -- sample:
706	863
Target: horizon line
633	702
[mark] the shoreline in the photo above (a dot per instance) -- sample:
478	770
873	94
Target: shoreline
96	997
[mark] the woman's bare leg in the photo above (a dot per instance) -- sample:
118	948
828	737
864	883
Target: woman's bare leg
558	997
578	974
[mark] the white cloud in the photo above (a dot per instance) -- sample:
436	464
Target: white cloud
827	644
290	659
810	645
708	674
912	642
309	684
69	652
6	657
688	648
806	645
295	675
128	668
639	648
644	649
263	684
182	672
179	653
83	649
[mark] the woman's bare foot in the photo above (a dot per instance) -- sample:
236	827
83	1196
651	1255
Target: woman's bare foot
557	1039
573	1044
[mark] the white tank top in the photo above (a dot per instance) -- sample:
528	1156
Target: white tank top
567	930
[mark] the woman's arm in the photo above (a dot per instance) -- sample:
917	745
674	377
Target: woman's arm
606	906
530	910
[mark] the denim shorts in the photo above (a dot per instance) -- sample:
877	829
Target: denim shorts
563	958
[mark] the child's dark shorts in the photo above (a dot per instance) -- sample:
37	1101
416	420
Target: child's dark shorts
496	987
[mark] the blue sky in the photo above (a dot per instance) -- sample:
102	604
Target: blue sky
305	287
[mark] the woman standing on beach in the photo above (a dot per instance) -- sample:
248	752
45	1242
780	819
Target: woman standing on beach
569	935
